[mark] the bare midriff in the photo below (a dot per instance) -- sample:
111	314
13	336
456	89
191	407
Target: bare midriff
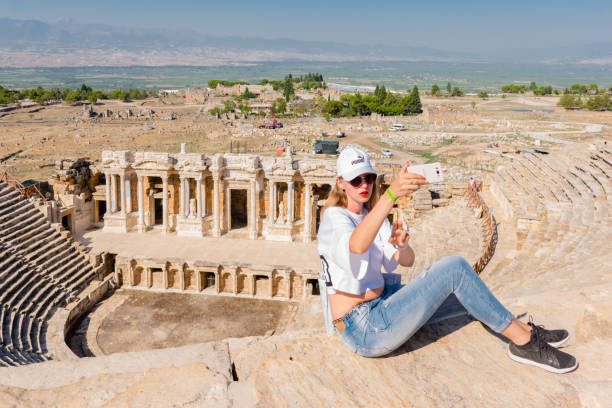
341	302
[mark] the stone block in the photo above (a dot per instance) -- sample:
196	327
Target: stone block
440	202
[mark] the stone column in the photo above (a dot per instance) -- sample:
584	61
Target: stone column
216	214
128	195
122	188
253	283
108	193
290	205
131	275
235	282
113	194
199	196
182	198
272	211
186	195
271	283
141	223
253	211
307	215
198	278
182	276
227	206
165	204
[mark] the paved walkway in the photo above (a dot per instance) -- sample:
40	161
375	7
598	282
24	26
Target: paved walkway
154	245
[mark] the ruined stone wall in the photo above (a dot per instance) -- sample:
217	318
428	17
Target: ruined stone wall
449	113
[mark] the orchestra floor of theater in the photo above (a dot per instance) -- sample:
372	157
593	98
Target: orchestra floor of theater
136	320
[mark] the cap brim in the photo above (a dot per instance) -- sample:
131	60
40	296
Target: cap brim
349	175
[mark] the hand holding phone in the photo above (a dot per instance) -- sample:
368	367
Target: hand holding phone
432	172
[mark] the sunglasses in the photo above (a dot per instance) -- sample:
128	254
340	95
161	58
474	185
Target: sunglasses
369	178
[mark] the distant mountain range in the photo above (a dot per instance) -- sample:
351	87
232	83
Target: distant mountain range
31	43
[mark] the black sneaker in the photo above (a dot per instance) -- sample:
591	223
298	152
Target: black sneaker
554	338
539	353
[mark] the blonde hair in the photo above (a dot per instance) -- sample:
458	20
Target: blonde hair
337	197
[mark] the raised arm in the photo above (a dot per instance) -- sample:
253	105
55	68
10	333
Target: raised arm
403	185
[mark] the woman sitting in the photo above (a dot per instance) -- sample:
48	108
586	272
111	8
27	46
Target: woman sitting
356	240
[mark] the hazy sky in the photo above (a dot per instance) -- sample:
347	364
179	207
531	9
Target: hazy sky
449	25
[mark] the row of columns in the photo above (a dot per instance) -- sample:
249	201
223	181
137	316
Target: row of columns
200	197
146	279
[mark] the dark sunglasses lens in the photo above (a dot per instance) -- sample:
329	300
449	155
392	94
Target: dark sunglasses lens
369	179
356	182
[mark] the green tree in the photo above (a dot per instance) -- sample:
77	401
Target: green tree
533	86
577	89
248	94
279	106
435	90
483	95
381	93
228	106
288	90
448	88
594	88
72	97
333	107
513	88
543	90
457	92
599	102
215	111
244	108
569	101
414	102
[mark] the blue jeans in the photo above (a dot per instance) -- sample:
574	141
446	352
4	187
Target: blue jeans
446	289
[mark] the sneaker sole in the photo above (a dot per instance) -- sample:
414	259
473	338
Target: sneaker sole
544	366
559	343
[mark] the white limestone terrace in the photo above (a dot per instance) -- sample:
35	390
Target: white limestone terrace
555	267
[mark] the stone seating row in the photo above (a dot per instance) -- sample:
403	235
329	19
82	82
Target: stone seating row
521	201
572	230
16	357
442	232
40	268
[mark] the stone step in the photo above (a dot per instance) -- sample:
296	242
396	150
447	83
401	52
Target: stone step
40	251
62	252
16	214
16	287
36	221
23	224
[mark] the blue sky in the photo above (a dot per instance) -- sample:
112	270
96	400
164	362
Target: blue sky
449	25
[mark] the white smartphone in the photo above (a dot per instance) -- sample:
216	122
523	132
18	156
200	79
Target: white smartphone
432	172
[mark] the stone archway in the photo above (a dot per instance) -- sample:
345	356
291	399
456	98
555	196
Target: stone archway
278	287
243	285
262	285
174	279
190	279
139	278
227	283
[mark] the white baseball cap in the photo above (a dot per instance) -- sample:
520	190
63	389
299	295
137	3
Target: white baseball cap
352	162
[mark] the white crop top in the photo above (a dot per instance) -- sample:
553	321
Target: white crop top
346	271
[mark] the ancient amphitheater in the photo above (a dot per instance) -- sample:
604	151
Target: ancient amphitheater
240	228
